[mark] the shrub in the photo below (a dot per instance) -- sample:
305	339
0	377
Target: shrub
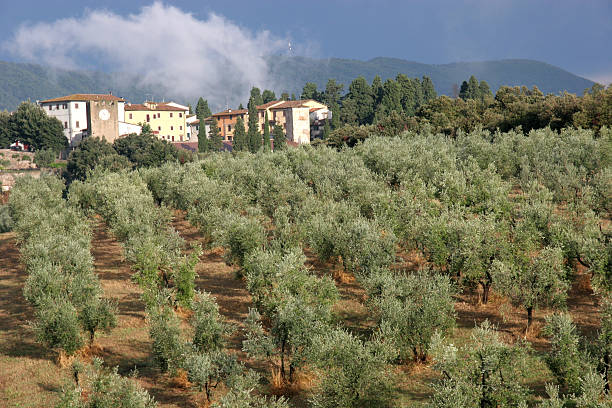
210	329
6	221
44	158
104	388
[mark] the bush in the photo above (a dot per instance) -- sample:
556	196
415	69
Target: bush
44	158
104	388
165	331
6	221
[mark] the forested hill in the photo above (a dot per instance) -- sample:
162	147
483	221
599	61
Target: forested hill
19	82
550	79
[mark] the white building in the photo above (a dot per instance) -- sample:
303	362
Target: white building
97	115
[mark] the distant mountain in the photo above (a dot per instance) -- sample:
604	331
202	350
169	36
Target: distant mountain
19	81
293	72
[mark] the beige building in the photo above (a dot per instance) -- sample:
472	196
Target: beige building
293	116
167	121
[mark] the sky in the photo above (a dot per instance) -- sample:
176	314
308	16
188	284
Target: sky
227	39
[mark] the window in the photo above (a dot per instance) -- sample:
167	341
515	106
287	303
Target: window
159	128
65	106
130	116
76	106
65	125
77	123
230	117
229	128
180	128
50	107
180	114
173	138
148	118
171	127
57	106
170	114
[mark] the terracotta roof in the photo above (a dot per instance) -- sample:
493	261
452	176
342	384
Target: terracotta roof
159	107
85	97
231	112
290	104
195	122
267	105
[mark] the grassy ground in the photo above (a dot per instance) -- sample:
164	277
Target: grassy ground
31	377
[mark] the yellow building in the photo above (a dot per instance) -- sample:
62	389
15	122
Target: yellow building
166	121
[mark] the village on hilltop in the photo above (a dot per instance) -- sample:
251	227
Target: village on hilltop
109	117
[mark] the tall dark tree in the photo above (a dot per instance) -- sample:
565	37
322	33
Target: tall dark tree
392	97
411	92
429	91
256	96
30	124
240	107
202	109
203	138
253	133
5	132
464	90
266	134
470	89
280	140
377	92
268	96
326	129
293	98
360	93
215	143
240	137
189	108
484	92
310	92
332	93
284	96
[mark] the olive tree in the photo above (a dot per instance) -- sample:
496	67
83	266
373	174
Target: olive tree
411	308
486	372
534	281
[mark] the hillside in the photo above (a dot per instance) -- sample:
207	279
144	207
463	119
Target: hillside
292	71
19	81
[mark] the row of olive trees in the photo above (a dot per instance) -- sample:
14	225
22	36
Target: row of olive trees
155	252
293	315
62	285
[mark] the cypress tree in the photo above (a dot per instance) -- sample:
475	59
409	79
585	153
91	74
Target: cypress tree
326	129
240	141
473	88
256	96
361	94
377	91
203	142
202	109
266	136
254	136
216	141
392	97
484	91
280	141
429	91
463	91
284	96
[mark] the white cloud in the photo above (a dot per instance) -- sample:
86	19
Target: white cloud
165	46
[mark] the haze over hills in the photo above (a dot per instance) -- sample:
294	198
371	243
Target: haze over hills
20	81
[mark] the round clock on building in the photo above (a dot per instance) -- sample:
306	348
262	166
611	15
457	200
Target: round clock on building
104	114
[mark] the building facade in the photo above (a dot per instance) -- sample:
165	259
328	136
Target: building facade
293	116
168	122
83	115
